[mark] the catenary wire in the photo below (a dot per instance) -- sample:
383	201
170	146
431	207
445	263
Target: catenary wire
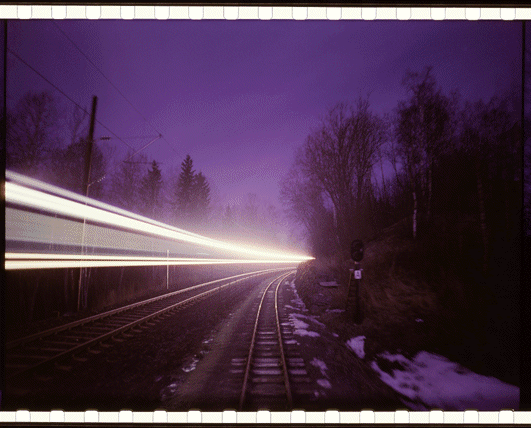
70	99
112	84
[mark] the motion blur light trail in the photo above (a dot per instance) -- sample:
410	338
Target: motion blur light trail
18	261
32	208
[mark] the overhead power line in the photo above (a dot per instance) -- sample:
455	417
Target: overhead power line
62	92
112	84
126	159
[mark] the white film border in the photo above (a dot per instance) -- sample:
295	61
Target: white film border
265	13
258	12
264	416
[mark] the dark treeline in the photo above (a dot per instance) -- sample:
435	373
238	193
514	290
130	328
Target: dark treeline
435	191
48	141
456	177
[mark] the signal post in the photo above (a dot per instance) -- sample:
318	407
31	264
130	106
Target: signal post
356	253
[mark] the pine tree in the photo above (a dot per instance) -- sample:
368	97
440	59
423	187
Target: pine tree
200	197
184	189
151	190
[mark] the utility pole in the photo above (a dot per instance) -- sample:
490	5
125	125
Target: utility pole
90	142
86	177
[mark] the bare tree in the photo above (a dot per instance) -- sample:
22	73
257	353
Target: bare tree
125	183
423	131
78	124
69	163
32	133
489	137
303	202
340	156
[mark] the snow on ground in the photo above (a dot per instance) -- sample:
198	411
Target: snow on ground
321	365
432	381
297	300
191	366
301	326
356	344
304	332
298	324
324	383
311	318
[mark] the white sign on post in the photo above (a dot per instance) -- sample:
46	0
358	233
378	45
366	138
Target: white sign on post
357	274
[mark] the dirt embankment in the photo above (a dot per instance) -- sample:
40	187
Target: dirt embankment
413	299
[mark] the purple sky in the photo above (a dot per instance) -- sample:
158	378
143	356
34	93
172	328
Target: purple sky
240	96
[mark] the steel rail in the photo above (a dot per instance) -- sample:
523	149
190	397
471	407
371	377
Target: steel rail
17	342
130	325
282	355
253	339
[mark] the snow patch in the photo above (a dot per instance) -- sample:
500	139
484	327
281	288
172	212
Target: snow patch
324	383
302	332
188	368
311	318
356	344
298	324
169	390
432	381
297	300
320	364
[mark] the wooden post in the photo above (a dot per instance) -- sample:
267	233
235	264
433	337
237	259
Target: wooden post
86	177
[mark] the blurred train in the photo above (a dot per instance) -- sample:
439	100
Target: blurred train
44	220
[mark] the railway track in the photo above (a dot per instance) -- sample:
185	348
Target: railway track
270	366
31	352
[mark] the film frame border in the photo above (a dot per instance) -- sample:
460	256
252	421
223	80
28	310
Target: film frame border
15	11
505	417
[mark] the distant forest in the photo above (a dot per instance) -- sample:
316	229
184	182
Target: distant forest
457	178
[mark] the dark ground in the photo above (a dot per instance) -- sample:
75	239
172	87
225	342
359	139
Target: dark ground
163	366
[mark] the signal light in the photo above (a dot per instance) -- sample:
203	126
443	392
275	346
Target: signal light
356	250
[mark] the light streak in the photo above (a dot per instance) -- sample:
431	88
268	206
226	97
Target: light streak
18	261
71	205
